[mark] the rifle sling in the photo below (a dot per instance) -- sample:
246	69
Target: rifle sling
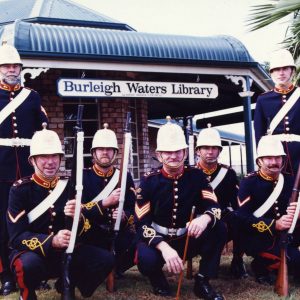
109	187
271	199
48	201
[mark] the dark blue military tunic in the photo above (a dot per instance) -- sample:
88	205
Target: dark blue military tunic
33	257
259	233
267	106
168	201
227	189
102	222
22	123
26	119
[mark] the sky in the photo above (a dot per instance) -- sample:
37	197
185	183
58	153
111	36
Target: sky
195	17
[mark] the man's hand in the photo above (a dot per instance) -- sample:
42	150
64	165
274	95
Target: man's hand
115	214
61	239
171	257
112	199
284	222
198	225
69	208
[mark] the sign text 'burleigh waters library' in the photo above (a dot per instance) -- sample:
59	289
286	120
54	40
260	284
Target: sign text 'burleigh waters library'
116	88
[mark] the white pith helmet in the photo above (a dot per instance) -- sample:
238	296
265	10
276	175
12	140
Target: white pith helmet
170	137
281	58
269	146
45	142
209	137
105	138
9	55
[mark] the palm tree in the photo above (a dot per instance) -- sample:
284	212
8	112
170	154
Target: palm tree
265	14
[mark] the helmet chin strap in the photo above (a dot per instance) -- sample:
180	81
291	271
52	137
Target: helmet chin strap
177	165
281	168
40	172
105	165
204	158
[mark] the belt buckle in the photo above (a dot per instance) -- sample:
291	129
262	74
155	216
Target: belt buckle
16	142
172	231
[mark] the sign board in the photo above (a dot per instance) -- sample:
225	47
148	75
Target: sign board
139	89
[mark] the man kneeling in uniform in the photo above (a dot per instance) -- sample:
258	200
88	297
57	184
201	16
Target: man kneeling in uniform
223	180
36	225
265	211
163	208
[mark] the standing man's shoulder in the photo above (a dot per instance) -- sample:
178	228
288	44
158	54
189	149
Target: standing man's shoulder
22	183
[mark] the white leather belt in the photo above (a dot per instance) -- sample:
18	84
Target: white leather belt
286	137
168	231
15	142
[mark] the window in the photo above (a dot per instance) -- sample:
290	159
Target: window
134	168
90	121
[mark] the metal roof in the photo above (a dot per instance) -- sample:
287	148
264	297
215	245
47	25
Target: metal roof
225	135
53	11
42	40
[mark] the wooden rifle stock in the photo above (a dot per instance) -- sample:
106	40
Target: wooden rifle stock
184	256
68	292
282	284
110	280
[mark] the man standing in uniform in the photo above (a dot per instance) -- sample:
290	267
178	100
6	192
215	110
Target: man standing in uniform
163	208
36	224
20	116
264	212
101	198
278	110
224	182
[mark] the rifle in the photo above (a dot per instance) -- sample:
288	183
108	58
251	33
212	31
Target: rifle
184	255
282	284
110	286
75	191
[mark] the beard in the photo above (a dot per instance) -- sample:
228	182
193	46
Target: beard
11	79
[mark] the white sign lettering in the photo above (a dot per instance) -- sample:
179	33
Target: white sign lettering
117	88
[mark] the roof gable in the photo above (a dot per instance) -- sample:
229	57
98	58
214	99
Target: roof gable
48	11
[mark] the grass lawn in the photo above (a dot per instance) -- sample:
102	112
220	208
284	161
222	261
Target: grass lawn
136	287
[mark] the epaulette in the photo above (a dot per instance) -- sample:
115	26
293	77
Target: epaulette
224	166
152	172
266	92
22	181
251	174
27	88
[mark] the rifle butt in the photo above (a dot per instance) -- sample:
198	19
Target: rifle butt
110	282
189	269
68	292
282	284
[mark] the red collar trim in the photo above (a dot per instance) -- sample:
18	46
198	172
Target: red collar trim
207	171
169	176
9	88
266	177
283	91
102	174
45	183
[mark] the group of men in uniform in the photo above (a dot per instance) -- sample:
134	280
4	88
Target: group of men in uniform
157	216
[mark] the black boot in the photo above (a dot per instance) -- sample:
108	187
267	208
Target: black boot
7	288
160	284
204	290
261	273
237	268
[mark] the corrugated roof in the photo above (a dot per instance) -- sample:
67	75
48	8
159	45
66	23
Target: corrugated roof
46	11
69	41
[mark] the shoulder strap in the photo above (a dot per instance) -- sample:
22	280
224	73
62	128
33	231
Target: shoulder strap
48	201
272	198
13	104
108	188
223	171
285	109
